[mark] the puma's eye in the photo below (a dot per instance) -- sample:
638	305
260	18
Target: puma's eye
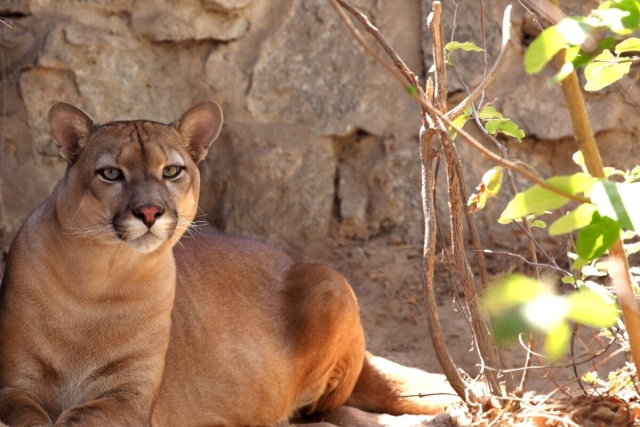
110	174
172	171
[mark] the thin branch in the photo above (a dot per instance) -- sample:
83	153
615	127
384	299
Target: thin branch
506	36
435	329
457	205
363	42
535	242
362	18
534	264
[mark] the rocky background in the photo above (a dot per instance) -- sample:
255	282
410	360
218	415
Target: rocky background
320	145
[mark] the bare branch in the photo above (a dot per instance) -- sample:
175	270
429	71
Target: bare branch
399	63
506	36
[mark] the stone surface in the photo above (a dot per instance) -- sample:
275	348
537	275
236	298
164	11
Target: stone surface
329	137
273	182
187	20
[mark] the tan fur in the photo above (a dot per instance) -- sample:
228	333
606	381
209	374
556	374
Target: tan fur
90	334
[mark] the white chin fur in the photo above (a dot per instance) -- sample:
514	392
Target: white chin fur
146	243
146	240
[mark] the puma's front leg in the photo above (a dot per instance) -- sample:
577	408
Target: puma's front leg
19	409
116	411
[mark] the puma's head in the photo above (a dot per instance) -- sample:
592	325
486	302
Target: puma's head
135	181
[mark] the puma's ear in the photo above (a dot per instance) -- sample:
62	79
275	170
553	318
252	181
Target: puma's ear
200	125
70	128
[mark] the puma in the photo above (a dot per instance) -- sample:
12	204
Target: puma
109	318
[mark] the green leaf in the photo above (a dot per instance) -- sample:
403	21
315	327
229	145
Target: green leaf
591	308
488	112
597	237
411	90
632	44
505	126
536	200
619	201
568	279
492	180
577	218
579	263
489	187
467	46
542	49
604	70
460	122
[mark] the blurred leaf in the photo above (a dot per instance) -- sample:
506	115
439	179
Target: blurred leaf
594	240
557	340
536	200
546	311
509	325
512	290
577	218
538	223
467	46
590	377
619	201
573	30
604	70
411	90
605	333
632	248
571	53
604	293
632	44
566	69
578	159
569	279
542	49
620	16
590	270
591	308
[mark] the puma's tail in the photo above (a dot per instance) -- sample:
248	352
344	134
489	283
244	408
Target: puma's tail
383	385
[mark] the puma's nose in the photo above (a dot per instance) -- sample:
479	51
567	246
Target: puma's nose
148	214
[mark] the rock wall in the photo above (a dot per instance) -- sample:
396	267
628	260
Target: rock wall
319	141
